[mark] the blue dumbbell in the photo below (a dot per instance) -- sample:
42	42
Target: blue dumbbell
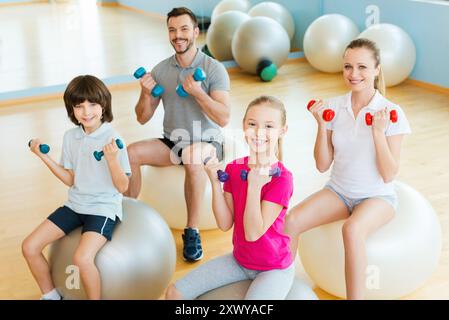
276	172
99	154
43	148
198	75
223	176
157	90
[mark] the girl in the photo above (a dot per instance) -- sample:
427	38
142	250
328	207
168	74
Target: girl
365	160
256	207
96	187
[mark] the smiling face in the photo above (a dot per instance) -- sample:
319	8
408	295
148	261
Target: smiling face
182	33
360	69
88	115
88	102
263	127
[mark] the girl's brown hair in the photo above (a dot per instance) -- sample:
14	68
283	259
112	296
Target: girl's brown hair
379	82
274	103
88	88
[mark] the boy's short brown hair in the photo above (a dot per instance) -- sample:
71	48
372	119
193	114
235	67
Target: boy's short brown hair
88	88
176	12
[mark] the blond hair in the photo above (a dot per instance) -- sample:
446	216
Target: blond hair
274	103
379	82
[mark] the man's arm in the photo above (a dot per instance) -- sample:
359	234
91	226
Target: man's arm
147	104
216	105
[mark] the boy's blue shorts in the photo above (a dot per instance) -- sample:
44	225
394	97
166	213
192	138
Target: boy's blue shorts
68	220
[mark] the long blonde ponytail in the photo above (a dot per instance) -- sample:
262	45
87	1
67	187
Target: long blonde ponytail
379	83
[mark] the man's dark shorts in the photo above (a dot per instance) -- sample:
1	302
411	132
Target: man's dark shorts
177	149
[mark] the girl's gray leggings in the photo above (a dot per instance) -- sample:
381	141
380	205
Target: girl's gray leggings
267	285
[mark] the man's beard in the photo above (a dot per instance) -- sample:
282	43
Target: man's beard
189	45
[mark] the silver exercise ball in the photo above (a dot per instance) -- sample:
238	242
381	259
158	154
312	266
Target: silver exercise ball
277	12
397	51
220	34
138	263
401	255
326	39
260	38
229	5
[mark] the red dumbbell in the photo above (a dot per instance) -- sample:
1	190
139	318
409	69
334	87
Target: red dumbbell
328	114
369	117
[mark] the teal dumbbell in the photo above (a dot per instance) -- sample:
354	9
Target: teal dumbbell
157	90
43	148
99	154
198	75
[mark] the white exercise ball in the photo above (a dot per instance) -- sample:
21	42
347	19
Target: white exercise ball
401	255
257	39
163	189
300	290
229	5
138	263
220	33
277	12
397	51
325	41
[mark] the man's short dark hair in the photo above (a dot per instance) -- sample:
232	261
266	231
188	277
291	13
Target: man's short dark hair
176	12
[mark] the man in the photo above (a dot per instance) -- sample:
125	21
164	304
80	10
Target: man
191	124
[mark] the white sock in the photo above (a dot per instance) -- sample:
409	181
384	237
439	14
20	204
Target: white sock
52	295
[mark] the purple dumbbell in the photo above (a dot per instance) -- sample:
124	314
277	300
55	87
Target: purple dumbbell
275	172
222	175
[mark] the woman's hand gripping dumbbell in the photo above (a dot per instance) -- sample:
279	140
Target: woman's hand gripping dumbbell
328	114
369	117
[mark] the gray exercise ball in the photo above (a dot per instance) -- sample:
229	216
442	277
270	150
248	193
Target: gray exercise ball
138	263
277	12
397	51
220	34
229	5
236	291
326	39
260	38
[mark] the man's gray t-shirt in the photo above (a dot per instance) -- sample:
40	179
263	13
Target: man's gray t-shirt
184	119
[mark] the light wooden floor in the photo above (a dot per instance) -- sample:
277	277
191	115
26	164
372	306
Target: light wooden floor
48	44
122	40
